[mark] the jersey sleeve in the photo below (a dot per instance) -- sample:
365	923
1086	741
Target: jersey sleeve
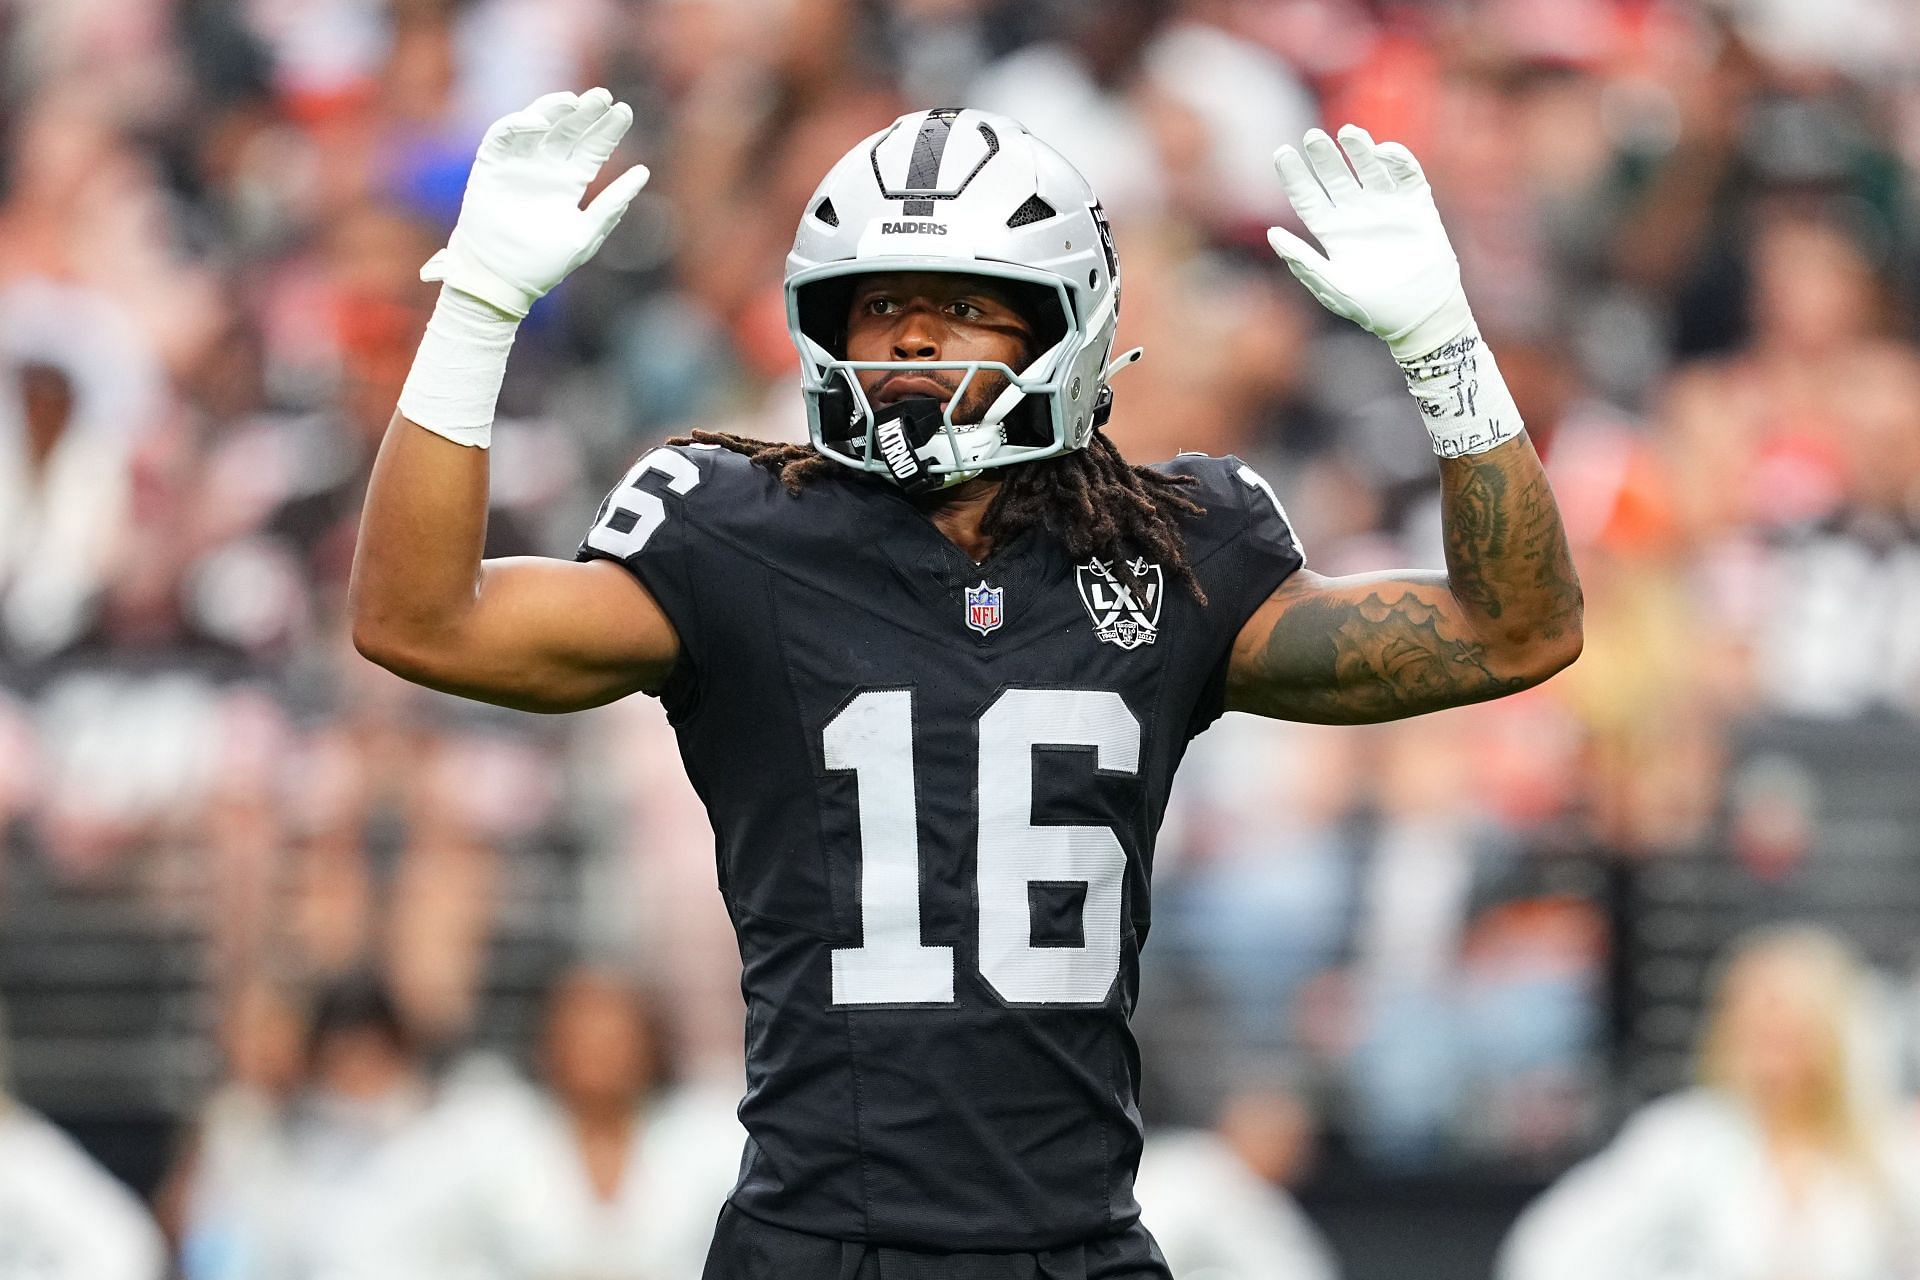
667	522
1241	550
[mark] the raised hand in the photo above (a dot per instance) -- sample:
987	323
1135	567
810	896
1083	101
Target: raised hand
521	228
1388	265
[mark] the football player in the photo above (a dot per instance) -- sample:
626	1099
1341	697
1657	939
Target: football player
932	673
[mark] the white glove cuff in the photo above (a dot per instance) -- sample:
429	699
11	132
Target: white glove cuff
1444	324
458	269
455	380
1463	399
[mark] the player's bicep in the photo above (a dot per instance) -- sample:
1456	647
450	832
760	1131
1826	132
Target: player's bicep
558	635
1360	649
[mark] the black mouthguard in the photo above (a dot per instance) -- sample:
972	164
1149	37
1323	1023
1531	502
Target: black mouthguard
899	431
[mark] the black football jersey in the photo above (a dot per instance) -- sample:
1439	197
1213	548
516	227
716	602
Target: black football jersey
935	787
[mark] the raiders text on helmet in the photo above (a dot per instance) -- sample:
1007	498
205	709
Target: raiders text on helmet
970	192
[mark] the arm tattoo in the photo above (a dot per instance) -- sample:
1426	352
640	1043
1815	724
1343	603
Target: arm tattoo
1504	616
1360	655
1477	531
1507	555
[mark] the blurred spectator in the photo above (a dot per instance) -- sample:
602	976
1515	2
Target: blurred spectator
607	1172
1217	1200
227	1199
362	1088
1784	1162
1352	905
63	1217
1157	107
81	391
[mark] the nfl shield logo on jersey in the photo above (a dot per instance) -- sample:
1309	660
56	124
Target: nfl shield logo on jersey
983	606
1122	615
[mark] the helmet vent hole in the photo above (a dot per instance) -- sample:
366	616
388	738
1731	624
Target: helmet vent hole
1034	210
1093	279
826	213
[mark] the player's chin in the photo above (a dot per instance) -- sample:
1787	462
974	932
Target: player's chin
971	412
973	406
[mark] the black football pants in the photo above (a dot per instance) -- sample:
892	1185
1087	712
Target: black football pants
745	1248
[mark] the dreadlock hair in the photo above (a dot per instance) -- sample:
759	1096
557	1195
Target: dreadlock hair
1093	500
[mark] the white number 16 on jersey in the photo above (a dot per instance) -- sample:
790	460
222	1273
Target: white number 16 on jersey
873	737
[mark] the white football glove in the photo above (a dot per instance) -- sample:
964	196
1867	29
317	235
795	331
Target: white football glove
1388	266
521	228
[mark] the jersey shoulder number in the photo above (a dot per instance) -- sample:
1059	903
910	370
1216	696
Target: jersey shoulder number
1241	508
633	512
678	521
670	491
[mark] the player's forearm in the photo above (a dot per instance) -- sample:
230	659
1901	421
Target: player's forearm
416	566
1509	569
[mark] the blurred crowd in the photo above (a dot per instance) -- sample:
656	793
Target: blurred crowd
1690	232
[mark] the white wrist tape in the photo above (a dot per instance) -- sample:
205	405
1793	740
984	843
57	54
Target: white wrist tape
455	380
1463	399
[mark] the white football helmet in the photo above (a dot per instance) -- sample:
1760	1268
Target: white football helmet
971	192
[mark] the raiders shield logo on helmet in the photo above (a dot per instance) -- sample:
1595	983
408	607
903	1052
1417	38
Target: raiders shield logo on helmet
1128	616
